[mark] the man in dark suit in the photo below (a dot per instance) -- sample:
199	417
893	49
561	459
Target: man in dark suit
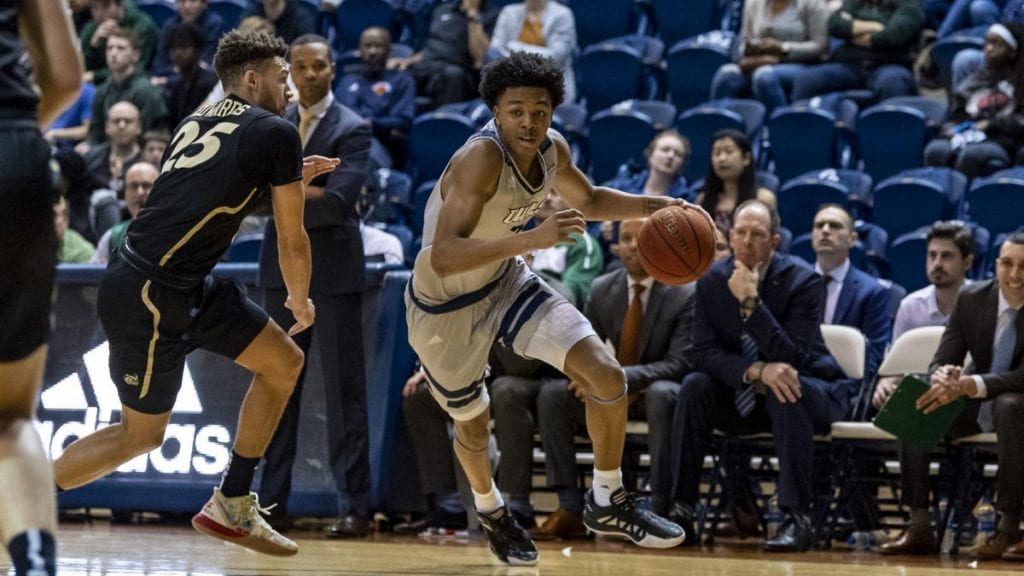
852	298
762	365
336	289
648	324
986	324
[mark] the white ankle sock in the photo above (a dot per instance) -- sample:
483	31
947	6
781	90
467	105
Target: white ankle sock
490	501
605	483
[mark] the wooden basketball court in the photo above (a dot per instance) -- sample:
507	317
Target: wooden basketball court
104	549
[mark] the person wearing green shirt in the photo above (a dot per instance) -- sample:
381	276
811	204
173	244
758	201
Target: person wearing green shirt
110	14
568	268
73	248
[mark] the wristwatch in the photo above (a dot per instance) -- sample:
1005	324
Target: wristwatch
750	303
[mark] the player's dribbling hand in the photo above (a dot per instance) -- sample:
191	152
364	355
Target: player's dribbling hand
557	228
304	315
313	166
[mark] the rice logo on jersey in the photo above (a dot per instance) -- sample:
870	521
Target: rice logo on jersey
188	448
518	217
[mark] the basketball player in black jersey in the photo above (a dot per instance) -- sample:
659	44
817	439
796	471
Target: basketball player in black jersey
157	301
28	260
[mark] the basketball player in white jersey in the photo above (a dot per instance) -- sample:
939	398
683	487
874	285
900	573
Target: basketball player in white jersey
470	288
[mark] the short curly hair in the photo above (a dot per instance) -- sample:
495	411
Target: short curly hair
522	70
239	51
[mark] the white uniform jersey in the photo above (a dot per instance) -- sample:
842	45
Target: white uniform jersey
513	206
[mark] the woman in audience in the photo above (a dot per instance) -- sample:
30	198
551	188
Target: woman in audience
986	121
730	178
779	37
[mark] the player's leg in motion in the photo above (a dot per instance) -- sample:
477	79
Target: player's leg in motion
28	519
508	540
609	509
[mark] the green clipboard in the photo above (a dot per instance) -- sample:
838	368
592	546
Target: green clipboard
902	419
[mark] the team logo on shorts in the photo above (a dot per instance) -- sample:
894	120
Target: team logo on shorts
131	379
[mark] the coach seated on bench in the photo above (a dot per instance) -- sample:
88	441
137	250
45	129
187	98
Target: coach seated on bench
648	323
762	366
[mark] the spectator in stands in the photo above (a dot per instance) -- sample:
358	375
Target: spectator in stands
72	126
189	86
879	37
195	12
289	20
154	143
852	297
106	161
973	17
666	157
986	324
762	365
950	256
108	15
73	248
385	98
79	187
129	82
569	269
138	182
729	180
541	26
986	121
779	38
648	323
447	69
380	245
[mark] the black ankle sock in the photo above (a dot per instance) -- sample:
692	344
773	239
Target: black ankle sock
33	553
238	477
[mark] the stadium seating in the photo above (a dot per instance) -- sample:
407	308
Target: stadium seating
882	153
801	139
699	125
615	138
434	137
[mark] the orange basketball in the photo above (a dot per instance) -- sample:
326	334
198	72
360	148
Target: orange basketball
677	245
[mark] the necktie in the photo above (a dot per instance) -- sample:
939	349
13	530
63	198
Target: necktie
630	338
305	119
1002	356
747	398
827	280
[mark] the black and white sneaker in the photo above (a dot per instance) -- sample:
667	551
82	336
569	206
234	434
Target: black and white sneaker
625	520
509	542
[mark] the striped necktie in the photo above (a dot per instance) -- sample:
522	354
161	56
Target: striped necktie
747	398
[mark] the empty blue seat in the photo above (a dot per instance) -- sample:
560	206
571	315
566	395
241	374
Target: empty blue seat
159	10
890	139
700	125
607	74
801	139
246	248
907	260
997	203
799	199
354	16
679	19
230	11
615	138
934	111
662	114
599	20
690	66
903	204
434	137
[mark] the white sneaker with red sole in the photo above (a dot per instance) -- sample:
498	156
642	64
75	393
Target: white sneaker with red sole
239	520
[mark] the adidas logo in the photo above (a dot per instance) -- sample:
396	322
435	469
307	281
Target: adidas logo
188	448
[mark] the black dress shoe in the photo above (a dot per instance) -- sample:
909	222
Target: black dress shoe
351	526
795	535
914	542
685	516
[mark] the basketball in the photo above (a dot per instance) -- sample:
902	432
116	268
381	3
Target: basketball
677	245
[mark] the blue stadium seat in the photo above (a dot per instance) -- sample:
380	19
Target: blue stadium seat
615	138
677	19
903	204
404	235
799	199
953	184
765	179
607	74
354	16
997	202
934	111
801	139
159	10
599	20
944	49
477	112
858	188
571	120
890	139
752	111
907	260
246	248
700	125
230	10
661	113
389	198
691	64
434	137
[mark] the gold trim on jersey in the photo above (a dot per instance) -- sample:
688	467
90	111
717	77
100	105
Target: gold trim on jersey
152	341
199	225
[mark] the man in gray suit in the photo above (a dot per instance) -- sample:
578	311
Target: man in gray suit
986	323
648	324
336	288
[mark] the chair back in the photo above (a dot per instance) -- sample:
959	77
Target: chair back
848	346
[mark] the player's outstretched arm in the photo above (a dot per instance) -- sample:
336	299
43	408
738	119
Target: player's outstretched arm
601	202
471	181
49	39
293	248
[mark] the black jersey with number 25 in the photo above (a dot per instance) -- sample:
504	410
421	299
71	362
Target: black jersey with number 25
220	164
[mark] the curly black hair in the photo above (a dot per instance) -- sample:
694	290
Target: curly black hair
238	51
520	70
